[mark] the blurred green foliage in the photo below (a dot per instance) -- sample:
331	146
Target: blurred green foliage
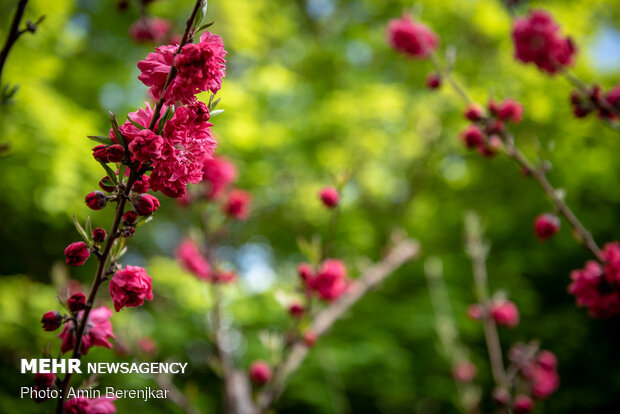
312	90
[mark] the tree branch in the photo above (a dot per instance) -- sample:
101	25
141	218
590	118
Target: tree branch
403	251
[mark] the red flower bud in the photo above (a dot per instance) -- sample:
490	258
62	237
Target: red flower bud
104	184
473	113
51	320
141	185
76	302
115	153
433	81
546	226
472	137
145	204
296	310
475	311
260	372
96	200
494	107
547	360
99	234
43	381
510	110
238	205
505	313
77	253
99	153
330	197
130	217
128	231
305	272
523	404
310	338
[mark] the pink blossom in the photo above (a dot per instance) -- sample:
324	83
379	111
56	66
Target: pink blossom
472	136
218	173
546	226
410	38
77	253
150	29
200	67
130	287
523	404
296	310
98	331
505	313
330	282
238	204
537	40
260	372
83	405
510	110
187	145
191	260
464	371
146	146
329	196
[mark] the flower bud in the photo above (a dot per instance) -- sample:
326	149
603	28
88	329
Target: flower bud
99	234
130	217
474	311
99	153
547	360
96	200
433	81
296	310
238	205
473	113
501	396
305	272
115	153
510	110
141	185
330	197
310	338
106	184
145	204
260	372
51	320
43	381
493	107
77	253
523	404
128	231
76	302
546	226
505	313
472	137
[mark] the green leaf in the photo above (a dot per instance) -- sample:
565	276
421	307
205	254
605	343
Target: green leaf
81	230
216	112
108	182
165	118
101	140
137	125
117	132
111	173
89	226
202	12
121	172
204	26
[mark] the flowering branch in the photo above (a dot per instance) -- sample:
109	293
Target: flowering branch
402	252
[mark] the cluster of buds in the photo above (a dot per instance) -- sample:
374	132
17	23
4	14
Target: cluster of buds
533	377
486	131
607	104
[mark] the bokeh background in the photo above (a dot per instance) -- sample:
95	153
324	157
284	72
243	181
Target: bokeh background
311	91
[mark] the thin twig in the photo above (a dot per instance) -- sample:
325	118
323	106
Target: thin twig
477	250
402	252
13	34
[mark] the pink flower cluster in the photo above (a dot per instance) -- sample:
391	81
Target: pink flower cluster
413	39
537	40
130	287
329	282
200	67
485	132
597	286
189	257
97	333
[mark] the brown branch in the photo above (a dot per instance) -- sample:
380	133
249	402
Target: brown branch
403	251
478	250
14	33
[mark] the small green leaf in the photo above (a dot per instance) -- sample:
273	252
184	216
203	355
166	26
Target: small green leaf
137	125
216	112
107	182
165	118
101	140
117	132
204	26
121	172
111	173
202	12
89	226
81	230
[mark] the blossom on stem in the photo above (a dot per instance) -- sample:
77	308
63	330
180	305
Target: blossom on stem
260	372
150	29
130	287
329	196
98	331
77	253
99	234
96	200
76	302
537	40
505	313
433	81
200	67
546	226
51	320
192	260
145	204
330	281
412	39
238	205
217	174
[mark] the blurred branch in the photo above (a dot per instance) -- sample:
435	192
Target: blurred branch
454	350
403	251
512	151
478	250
